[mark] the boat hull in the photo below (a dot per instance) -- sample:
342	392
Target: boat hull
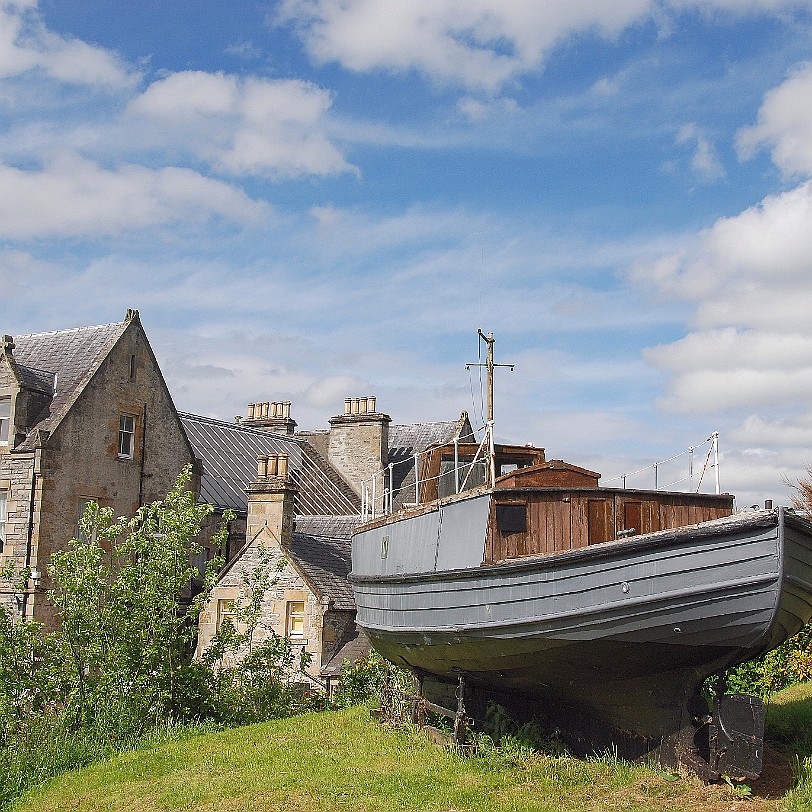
626	630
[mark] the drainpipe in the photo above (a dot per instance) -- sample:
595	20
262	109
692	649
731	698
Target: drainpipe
143	453
36	469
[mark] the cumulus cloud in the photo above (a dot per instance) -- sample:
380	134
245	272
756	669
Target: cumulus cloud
74	196
750	279
766	247
25	45
477	44
785	125
242	126
748	359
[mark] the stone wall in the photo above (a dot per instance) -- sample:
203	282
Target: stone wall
16	472
287	586
80	460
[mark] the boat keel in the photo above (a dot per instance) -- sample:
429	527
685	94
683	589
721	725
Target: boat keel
725	741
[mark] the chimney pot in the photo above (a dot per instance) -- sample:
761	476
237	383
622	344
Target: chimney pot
363	406
347	405
273	464
250	411
262	466
356	405
286	406
768	504
283	466
372	404
238	418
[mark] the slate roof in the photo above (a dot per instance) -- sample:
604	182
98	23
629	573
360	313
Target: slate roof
321	548
36	379
354	645
229	452
65	360
407	440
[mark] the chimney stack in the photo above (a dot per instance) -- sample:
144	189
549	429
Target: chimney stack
270	500
273	415
358	445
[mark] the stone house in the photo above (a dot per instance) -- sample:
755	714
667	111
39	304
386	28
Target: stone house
85	414
297	497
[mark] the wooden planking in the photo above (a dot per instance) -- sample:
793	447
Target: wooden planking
559	520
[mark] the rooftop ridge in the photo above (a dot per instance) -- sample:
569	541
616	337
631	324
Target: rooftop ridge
216	421
47	333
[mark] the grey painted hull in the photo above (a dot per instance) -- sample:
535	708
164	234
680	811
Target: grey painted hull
626	629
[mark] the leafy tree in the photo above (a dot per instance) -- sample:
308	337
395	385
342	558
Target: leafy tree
129	617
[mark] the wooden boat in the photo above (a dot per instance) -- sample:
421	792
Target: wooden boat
614	604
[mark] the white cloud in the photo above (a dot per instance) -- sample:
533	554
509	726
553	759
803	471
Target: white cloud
242	126
477	44
785	125
478	110
72	196
766	247
25	45
748	360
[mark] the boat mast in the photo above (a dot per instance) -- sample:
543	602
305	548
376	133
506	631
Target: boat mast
490	366
489	340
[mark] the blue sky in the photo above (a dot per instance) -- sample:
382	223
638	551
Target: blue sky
314	199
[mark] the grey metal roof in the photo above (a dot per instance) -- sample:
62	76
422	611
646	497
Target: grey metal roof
64	360
321	548
229	452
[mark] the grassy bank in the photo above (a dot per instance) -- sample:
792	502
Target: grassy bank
343	760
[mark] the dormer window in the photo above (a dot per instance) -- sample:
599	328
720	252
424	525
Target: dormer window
126	437
5	420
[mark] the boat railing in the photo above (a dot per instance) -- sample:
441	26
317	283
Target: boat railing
667	468
380	493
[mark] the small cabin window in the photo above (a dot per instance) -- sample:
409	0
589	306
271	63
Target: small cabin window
511	518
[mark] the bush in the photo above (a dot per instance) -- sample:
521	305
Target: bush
789	664
361	681
262	686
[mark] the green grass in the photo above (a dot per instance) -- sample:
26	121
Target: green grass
789	728
789	719
345	761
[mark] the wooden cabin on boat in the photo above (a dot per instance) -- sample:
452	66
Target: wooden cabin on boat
544	506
